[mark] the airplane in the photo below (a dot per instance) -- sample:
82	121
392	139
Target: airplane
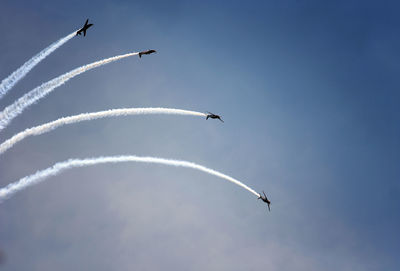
265	199
84	28
148	52
213	116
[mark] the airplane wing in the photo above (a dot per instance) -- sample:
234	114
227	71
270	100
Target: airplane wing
84	32
87	20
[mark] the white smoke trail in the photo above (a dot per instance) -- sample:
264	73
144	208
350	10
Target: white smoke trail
38	130
13	110
17	75
41	175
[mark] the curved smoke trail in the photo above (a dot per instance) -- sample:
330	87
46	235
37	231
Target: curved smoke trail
47	127
41	175
13	110
17	75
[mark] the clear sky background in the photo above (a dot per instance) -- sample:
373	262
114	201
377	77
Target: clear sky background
309	91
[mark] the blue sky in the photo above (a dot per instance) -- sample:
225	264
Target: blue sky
309	93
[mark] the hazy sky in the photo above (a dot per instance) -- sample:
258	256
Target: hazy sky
309	92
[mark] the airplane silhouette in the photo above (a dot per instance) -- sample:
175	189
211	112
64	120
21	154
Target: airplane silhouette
148	52
84	28
265	199
213	116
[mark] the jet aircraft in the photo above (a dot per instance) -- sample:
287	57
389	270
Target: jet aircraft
265	199
148	52
84	28
213	116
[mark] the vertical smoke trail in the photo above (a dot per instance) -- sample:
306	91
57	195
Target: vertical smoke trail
17	75
44	128
41	175
13	110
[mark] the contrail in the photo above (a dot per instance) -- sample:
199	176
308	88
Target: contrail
47	127
13	110
41	175
17	75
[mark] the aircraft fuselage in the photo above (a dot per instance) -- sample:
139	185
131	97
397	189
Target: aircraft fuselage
148	52
84	28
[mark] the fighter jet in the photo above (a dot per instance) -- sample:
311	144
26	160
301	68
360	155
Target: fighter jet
148	52
84	28
265	199
213	116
